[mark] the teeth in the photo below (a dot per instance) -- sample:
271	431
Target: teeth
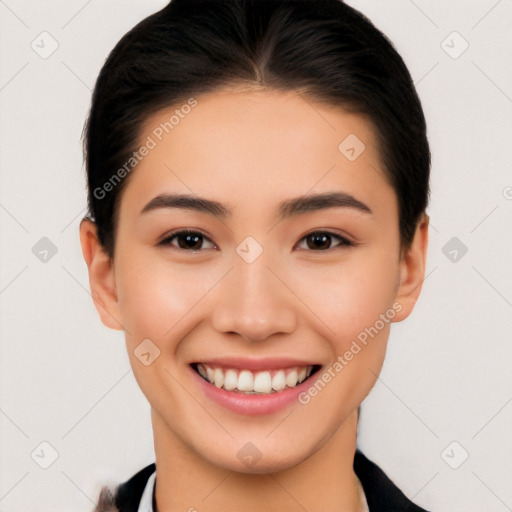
262	382
279	381
230	380
245	381
202	371
291	379
218	377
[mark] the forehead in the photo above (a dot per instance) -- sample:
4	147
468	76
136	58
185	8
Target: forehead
259	146
255	118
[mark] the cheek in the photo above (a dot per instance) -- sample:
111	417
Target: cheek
352	297
155	296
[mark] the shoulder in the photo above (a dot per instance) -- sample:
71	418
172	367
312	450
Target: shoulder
381	493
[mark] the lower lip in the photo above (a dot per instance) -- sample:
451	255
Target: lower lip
254	405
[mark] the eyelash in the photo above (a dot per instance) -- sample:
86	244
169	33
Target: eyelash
167	240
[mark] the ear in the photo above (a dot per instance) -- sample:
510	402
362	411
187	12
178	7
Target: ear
101	275
412	270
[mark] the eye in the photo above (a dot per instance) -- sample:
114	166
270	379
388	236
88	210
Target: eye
322	240
190	241
187	240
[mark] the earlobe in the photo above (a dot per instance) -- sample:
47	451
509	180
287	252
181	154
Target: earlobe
101	276
412	270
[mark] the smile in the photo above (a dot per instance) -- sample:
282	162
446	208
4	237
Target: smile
254	382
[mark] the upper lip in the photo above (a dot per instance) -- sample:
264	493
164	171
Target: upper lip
265	363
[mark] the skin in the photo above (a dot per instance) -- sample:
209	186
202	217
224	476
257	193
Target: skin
250	150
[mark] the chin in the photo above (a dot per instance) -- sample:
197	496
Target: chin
260	456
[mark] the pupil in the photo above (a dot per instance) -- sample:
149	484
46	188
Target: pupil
191	241
322	239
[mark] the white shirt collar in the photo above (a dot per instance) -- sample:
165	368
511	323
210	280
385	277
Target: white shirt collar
146	501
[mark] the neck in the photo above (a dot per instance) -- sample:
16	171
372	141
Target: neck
324	481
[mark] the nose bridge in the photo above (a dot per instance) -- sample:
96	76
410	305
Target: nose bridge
252	301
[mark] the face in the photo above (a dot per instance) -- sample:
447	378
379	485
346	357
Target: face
274	309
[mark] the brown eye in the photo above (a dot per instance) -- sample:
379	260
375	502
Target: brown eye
186	240
322	240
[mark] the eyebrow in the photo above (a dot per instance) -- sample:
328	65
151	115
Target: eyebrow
286	209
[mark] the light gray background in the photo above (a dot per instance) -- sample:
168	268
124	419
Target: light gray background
65	378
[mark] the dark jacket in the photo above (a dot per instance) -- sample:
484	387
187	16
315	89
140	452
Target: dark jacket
381	493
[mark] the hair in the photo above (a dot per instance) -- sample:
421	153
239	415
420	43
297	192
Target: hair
325	49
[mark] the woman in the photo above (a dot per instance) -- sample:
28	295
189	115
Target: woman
258	176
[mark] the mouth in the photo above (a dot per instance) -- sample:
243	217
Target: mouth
251	382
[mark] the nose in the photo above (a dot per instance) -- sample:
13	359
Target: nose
254	301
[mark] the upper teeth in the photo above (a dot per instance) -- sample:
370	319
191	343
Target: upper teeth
254	382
